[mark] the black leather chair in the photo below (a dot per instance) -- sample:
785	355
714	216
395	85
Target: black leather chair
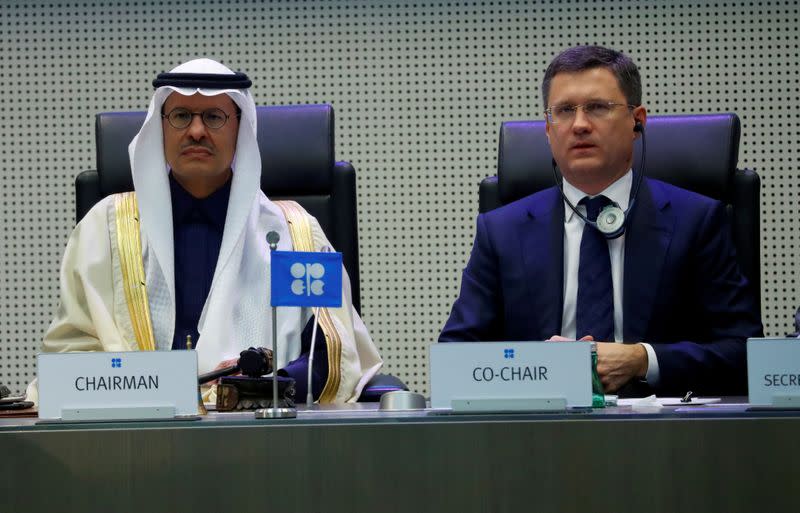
297	163
695	152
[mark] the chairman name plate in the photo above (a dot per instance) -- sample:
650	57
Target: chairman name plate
107	386
773	371
510	373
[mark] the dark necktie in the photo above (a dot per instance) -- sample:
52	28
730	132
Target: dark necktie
595	306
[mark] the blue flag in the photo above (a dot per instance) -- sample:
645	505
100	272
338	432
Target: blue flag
302	278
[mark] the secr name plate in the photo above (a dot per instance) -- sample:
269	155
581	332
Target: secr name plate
127	385
773	371
511	370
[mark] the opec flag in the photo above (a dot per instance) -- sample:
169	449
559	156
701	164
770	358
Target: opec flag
301	278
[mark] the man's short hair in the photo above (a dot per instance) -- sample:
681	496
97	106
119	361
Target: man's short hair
583	58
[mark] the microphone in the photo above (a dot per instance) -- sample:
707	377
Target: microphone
253	362
202	379
273	238
611	221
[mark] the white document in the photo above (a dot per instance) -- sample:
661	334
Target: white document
130	385
667	401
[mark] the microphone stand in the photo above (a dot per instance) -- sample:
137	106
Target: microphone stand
275	412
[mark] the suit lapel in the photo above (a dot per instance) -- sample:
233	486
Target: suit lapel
542	246
647	241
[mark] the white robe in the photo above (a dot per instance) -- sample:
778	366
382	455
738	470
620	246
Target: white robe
93	312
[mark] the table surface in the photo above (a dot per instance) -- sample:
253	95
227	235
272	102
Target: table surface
361	413
719	457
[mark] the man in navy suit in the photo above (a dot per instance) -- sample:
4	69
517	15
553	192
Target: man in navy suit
665	301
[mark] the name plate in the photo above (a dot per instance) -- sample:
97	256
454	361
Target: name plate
773	371
502	371
106	386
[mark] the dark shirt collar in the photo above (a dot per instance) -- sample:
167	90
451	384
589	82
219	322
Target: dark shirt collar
211	209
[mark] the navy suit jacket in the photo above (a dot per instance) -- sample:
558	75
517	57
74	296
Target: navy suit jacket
683	291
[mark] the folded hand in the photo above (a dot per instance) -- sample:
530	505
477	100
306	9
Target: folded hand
619	363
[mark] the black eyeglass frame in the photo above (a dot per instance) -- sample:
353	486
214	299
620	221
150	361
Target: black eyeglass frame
203	114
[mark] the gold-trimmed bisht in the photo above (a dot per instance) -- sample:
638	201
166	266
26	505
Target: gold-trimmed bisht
129	243
303	240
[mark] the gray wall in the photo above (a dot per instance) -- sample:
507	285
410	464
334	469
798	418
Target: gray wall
419	88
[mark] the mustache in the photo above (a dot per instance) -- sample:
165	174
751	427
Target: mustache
197	146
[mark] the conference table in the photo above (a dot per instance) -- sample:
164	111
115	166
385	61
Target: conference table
721	457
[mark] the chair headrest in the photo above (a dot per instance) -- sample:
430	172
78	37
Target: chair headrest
695	152
296	144
113	132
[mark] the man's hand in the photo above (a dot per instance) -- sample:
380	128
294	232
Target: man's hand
559	338
223	364
227	363
619	363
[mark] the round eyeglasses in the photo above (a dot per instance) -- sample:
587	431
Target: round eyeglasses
181	118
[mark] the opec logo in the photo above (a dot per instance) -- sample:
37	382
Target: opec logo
307	279
116	363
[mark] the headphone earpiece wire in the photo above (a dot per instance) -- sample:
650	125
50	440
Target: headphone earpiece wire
638	127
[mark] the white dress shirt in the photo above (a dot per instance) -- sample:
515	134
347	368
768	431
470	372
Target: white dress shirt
618	192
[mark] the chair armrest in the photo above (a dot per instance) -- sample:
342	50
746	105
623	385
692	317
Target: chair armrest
87	193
